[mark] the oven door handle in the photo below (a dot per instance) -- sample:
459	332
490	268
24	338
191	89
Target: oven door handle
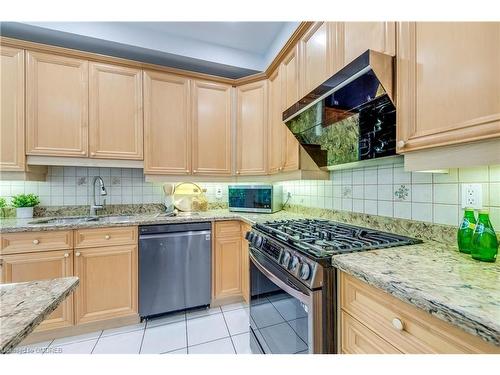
285	285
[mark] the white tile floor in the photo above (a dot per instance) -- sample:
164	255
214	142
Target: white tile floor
219	330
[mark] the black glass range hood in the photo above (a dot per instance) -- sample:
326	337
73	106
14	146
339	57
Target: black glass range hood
351	116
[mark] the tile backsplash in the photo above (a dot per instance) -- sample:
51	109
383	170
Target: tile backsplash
73	186
384	190
390	191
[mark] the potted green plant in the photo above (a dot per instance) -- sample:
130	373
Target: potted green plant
3	203
24	204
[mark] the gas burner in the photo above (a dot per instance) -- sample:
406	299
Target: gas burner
323	238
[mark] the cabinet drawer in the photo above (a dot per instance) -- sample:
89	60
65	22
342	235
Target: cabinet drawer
227	229
27	242
98	237
419	332
358	339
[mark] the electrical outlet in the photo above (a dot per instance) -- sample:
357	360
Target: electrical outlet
218	192
472	196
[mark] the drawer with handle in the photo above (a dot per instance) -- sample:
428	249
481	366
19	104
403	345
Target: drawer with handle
407	328
28	242
97	237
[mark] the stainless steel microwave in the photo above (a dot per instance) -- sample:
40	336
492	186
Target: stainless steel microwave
255	198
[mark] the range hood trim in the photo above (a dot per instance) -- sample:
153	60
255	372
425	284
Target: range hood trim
381	64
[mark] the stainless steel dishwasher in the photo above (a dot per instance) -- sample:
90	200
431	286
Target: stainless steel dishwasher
174	267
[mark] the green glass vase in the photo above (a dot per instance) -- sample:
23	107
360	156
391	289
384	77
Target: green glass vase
484	240
466	231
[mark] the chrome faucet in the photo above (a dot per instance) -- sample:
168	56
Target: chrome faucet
102	192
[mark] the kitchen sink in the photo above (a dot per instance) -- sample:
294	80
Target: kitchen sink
115	218
65	220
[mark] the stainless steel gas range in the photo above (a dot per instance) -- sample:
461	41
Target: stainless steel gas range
293	285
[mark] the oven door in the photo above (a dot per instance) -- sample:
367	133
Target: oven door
281	310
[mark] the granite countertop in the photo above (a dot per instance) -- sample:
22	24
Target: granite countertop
11	225
433	275
436	278
23	306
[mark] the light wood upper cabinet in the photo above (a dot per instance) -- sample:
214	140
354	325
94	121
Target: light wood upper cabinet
290	78
211	128
12	156
167	124
357	37
252	129
56	105
448	86
317	62
108	283
116	119
276	139
42	265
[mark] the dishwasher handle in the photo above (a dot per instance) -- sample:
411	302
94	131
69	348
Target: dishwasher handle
176	234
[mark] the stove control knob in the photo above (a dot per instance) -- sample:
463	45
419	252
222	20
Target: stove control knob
293	265
285	261
305	271
247	235
250	236
258	240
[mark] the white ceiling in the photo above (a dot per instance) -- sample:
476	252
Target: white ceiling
250	46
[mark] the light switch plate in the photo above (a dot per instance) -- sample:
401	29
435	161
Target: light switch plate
472	196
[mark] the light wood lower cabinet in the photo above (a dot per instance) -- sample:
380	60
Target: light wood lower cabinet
372	321
108	283
12	157
115	112
245	263
42	265
105	261
227	262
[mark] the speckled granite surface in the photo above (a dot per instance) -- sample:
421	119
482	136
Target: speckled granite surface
438	279
432	275
25	305
11	225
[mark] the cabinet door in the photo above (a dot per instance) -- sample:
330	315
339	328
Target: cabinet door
290	78
116	125
108	283
448	83
252	129
212	135
228	266
18	268
277	140
316	56
357	37
12	109
167	124
245	263
56	105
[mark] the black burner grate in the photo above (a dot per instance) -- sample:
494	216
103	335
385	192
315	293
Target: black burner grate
322	238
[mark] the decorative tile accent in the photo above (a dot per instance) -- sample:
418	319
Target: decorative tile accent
402	193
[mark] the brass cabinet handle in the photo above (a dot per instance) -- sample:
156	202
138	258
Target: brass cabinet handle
36	242
107	236
398	324
77	254
66	255
401	144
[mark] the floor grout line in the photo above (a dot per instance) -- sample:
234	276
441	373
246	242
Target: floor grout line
187	339
96	341
228	331
142	338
